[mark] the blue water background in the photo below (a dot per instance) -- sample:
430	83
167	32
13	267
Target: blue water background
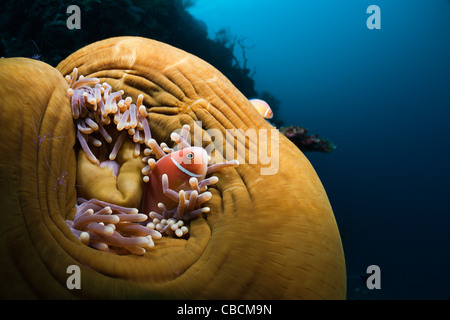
383	97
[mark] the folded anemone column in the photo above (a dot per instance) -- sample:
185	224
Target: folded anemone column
270	232
37	180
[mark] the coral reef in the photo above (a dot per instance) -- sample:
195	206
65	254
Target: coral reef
307	142
34	28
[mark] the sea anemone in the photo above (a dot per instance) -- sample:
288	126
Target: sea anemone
265	237
112	228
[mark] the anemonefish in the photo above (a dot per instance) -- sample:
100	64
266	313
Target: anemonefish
263	108
180	166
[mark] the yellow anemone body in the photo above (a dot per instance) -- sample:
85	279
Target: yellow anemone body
267	236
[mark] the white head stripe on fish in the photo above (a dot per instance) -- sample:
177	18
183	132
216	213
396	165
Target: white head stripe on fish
179	166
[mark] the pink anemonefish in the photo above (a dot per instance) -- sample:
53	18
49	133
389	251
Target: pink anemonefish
180	166
262	107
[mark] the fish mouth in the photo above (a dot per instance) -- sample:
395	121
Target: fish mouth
183	169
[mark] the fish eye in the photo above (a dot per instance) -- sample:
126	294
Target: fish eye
190	156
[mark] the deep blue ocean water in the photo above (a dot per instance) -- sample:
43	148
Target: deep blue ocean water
383	97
